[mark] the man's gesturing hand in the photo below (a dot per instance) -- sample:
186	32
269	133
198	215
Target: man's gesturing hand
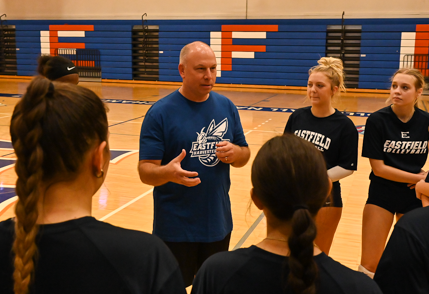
180	176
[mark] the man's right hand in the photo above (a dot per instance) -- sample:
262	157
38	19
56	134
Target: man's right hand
180	176
153	173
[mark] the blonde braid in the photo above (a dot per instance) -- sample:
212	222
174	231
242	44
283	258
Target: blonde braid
26	131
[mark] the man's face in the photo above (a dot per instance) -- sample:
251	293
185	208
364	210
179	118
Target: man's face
199	72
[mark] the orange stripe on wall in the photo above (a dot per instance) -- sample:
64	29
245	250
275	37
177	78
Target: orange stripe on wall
422	39
422	28
250	28
226	67
246	48
85	63
68	45
53	37
226	35
226	38
422	43
226	60
421	47
71	27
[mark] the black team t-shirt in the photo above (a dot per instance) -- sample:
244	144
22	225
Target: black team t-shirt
398	144
88	256
335	135
404	266
254	271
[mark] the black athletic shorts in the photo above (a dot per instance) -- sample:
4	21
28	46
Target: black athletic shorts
191	255
334	200
392	196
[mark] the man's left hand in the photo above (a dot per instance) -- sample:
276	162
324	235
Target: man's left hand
226	152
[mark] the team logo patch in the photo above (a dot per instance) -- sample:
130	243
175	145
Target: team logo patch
205	146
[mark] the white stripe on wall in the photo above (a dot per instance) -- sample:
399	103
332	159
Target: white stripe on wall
215	35
239	54
408	44
215	41
71	33
216	47
249	35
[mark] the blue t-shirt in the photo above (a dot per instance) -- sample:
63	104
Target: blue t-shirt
201	213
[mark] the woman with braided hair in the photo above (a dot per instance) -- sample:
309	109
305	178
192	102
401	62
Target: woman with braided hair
60	135
287	260
333	133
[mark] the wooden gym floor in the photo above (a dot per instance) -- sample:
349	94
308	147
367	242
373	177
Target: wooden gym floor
124	201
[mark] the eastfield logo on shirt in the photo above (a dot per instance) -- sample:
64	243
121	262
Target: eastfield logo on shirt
205	146
405	147
320	141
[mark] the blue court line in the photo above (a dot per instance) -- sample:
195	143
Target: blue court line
251	108
249	231
120	101
11	95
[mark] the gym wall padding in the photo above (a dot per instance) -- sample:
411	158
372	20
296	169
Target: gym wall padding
271	52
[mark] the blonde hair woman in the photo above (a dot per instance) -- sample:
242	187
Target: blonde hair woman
395	141
333	133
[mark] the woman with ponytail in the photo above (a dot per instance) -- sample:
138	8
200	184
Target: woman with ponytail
60	136
58	68
333	133
290	186
396	144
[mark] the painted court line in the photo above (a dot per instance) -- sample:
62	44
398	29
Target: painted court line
126	121
249	231
253	108
126	205
131	122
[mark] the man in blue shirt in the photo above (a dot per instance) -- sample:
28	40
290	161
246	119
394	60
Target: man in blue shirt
188	141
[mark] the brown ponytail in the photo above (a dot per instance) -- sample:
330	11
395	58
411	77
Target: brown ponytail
30	174
303	269
289	177
52	128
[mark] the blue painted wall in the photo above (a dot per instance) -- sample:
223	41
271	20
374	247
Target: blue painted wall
290	52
